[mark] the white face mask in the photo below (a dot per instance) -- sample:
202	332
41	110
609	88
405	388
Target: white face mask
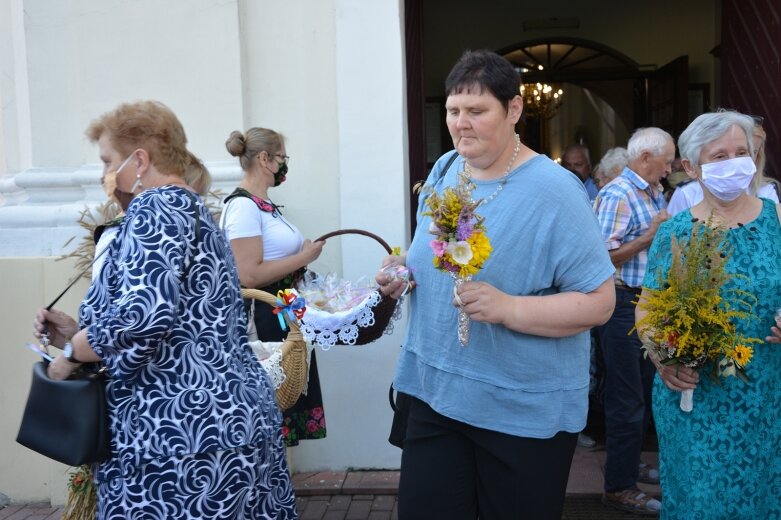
726	180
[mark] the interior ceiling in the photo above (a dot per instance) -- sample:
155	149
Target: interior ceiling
569	60
602	70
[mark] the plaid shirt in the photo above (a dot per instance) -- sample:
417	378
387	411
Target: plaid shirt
625	208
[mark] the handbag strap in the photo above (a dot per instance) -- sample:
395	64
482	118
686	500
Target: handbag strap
444	170
75	279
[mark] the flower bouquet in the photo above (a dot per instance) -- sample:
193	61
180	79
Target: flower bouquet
460	246
691	320
82	501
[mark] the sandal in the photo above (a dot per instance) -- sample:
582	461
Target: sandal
648	474
632	501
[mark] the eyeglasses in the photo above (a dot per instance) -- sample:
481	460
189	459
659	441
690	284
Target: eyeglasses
285	158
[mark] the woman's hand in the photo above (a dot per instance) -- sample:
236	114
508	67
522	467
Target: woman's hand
310	251
483	302
391	285
776	337
676	377
59	326
61	369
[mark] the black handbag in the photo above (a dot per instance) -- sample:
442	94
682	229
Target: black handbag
400	407
67	420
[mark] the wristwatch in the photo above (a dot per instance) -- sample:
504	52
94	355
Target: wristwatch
67	351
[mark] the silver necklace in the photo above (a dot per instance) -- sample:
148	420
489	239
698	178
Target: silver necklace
466	175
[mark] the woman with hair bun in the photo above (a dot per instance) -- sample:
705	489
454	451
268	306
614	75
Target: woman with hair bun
270	254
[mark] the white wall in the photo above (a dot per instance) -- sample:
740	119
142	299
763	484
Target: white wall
25	284
328	74
372	176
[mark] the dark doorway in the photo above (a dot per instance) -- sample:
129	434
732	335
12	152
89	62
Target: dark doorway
639	97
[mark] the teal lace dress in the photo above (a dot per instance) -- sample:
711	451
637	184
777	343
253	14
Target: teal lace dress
723	460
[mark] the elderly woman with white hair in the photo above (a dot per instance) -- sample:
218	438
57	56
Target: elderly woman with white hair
722	459
612	164
690	193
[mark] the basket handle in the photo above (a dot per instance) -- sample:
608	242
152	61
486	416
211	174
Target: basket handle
257	294
369	234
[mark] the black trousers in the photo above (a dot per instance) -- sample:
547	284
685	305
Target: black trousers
452	471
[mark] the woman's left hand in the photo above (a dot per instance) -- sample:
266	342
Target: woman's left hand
61	369
776	337
678	377
59	326
483	302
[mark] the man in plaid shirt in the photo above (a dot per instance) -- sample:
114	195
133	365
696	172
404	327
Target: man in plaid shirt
629	210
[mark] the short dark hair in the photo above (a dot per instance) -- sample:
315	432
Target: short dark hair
484	70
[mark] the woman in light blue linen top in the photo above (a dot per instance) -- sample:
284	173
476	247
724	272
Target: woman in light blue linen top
493	425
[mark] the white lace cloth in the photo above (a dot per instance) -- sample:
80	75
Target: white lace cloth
326	329
270	356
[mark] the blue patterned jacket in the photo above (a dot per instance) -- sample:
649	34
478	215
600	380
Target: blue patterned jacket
183	379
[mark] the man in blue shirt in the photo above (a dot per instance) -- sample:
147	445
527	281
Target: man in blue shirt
629	211
577	160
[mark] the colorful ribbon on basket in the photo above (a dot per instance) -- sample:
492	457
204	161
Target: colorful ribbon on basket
288	301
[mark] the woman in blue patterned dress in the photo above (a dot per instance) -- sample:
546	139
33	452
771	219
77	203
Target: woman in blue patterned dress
722	461
195	427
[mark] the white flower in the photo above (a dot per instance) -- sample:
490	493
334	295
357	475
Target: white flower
461	251
433	229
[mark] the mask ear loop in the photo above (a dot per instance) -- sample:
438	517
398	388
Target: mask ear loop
136	185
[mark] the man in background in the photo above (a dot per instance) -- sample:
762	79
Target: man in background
630	210
577	160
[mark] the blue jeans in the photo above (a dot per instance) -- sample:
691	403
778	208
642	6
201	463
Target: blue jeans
628	380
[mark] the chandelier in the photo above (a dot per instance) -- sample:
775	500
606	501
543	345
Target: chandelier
541	100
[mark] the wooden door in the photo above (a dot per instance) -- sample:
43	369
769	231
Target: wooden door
750	54
668	96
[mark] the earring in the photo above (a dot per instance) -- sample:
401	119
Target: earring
138	184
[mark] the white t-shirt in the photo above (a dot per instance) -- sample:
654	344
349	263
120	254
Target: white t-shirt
690	194
100	258
241	218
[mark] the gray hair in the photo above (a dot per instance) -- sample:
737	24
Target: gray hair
614	159
652	140
709	127
575	147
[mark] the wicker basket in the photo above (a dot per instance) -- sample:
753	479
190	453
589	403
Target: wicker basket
294	355
383	311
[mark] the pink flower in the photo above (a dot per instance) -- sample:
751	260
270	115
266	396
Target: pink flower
312	426
285	431
317	412
438	246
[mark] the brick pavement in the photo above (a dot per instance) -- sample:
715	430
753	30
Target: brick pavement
371	495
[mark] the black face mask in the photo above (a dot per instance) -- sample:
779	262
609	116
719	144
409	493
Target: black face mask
281	174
